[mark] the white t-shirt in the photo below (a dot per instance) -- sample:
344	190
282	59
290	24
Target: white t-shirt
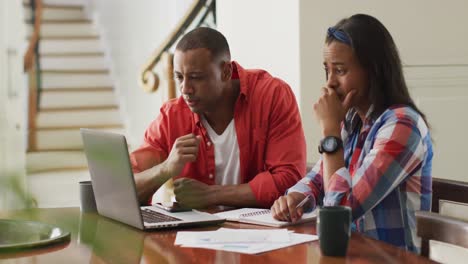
226	149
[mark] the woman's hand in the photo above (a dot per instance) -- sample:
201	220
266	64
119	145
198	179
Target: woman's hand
284	209
330	110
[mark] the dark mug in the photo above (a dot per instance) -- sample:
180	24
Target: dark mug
87	200
334	229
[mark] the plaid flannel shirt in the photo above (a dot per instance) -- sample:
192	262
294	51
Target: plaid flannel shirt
386	178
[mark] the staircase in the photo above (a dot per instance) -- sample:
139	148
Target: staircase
76	91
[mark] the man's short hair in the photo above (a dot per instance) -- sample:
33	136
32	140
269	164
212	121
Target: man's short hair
204	37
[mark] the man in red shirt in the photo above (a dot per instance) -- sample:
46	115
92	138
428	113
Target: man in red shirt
234	137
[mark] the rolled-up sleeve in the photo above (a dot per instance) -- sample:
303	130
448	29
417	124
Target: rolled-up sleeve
311	185
154	149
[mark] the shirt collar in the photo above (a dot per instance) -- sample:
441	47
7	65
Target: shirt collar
239	73
353	120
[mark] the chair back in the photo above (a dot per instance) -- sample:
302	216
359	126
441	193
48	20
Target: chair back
432	226
454	209
443	189
447	253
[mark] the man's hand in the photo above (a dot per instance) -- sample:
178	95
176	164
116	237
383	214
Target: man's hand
194	194
284	209
185	149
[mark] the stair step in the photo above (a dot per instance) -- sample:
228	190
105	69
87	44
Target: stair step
56	30
70	46
55	160
78	118
70	37
63	139
51	100
100	127
61	21
55	5
73	80
72	54
79	108
77	89
75	71
60	13
73	63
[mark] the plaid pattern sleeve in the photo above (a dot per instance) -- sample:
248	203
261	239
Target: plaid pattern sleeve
311	185
387	176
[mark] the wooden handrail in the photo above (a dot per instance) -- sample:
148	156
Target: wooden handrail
169	71
31	69
31	51
32	110
149	80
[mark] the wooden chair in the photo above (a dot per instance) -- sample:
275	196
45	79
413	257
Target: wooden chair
448	190
447	253
454	209
433	226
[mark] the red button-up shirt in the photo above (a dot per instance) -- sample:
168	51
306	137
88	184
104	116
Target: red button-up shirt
272	149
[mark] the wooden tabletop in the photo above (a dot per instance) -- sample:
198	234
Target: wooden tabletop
96	239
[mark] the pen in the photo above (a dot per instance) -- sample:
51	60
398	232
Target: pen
306	199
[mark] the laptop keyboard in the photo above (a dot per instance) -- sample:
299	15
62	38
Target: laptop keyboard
150	216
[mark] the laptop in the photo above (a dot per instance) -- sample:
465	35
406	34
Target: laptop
114	187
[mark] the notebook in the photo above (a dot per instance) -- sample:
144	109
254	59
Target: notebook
262	217
114	187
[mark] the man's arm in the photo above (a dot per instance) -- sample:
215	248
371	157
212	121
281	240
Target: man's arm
147	182
236	195
195	194
285	152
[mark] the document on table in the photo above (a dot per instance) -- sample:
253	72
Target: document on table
247	241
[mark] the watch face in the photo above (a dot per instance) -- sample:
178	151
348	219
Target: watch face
330	144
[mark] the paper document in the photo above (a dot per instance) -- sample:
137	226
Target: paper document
233	236
247	241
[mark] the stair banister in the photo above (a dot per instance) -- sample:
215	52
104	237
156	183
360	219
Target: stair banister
149	80
31	66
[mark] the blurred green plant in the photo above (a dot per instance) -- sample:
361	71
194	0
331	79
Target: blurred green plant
14	194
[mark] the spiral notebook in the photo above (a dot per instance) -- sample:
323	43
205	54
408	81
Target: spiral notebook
262	217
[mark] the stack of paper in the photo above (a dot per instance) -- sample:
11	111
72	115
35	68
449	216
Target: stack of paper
247	241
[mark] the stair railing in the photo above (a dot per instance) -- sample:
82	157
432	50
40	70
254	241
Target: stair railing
32	68
196	15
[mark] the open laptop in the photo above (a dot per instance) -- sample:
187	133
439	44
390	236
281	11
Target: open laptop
114	186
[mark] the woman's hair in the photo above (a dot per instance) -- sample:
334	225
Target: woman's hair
378	55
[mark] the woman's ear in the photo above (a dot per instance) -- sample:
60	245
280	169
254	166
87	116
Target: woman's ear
227	70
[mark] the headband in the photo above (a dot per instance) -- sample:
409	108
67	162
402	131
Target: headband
338	35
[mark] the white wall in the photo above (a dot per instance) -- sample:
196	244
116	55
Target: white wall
13	94
263	34
132	30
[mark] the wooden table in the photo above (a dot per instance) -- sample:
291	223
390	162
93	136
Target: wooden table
96	239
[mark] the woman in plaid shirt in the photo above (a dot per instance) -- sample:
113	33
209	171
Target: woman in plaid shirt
376	146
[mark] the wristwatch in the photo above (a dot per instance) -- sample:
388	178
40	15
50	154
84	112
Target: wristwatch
330	144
